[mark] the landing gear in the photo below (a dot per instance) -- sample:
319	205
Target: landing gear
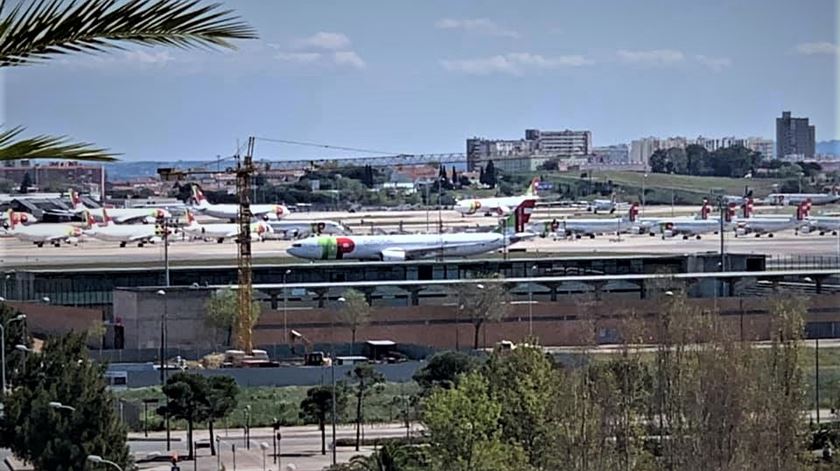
685	237
697	237
220	240
591	236
39	244
577	236
141	244
122	245
757	236
822	233
770	235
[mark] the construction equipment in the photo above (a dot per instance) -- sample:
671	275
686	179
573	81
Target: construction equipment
310	358
244	172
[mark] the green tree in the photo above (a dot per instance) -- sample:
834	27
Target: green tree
222	393
221	310
58	438
355	313
187	397
524	383
464	430
367	380
317	406
490	174
16	334
443	370
481	304
25	183
32	34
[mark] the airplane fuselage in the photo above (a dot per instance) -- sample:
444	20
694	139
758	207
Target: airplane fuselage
398	246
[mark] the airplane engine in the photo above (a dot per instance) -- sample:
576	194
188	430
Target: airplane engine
393	255
741	231
155	240
73	240
668	233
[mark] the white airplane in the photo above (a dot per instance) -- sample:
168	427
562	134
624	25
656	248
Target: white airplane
301	229
820	224
399	247
223	231
579	227
122	233
697	227
123	215
231	211
40	234
651	225
501	206
790	199
759	225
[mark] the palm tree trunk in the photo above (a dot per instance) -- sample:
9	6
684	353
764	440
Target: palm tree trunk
212	439
322	425
353	341
359	413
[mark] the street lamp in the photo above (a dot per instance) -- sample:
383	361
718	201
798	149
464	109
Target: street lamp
342	300
58	405
24	348
163	373
285	306
46	299
531	304
96	459
18	318
263	447
248	427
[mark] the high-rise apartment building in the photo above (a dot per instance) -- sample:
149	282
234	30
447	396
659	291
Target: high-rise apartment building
642	149
795	137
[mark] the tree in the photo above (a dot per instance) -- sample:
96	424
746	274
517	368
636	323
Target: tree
222	392
524	382
391	457
48	29
355	312
490	174
222	309
464	431
61	439
455	179
16	334
366	379
187	397
482	178
317	406
25	183
482	303
444	369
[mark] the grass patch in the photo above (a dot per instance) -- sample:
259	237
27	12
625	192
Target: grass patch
283	403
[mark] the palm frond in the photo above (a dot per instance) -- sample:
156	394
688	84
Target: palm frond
52	27
48	147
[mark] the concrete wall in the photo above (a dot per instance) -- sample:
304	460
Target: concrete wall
569	321
46	319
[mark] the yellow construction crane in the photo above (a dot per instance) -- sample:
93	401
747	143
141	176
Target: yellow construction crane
244	171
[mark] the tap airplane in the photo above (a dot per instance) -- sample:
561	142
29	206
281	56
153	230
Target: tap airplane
40	234
501	206
590	227
697	227
223	231
231	211
399	247
760	225
301	229
122	233
124	215
789	199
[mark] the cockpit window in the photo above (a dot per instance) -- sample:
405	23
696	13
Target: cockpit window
297	245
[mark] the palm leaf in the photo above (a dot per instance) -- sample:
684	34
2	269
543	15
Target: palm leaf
52	27
48	147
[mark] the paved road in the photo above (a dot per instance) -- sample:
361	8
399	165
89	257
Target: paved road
300	446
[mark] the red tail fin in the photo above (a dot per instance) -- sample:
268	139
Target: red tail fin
633	212
523	214
705	209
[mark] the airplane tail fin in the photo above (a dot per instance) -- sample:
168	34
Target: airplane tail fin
76	201
515	222
748	207
705	209
731	212
198	196
90	222
106	220
191	219
533	187
13	221
633	212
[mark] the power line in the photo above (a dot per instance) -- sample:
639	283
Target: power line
325	146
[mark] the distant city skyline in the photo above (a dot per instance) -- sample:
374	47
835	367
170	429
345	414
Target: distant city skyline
421	77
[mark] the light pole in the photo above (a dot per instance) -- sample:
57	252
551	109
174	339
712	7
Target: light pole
341	300
644	181
163	375
24	348
263	447
248	427
531	304
285	306
19	317
96	459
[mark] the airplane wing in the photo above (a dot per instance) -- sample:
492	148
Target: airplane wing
400	254
139	237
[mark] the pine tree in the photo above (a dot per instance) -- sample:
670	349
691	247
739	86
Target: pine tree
482	178
187	398
26	182
454	177
221	398
490	174
60	438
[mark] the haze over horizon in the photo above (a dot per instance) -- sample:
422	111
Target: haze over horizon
421	77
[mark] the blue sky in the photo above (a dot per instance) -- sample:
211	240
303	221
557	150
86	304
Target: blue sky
421	76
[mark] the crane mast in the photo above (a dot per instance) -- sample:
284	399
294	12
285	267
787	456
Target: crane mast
244	170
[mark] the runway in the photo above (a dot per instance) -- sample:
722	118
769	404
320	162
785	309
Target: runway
17	254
